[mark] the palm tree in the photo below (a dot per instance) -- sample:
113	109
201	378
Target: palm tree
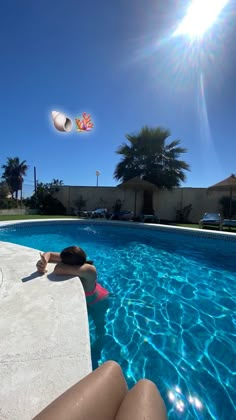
14	170
149	156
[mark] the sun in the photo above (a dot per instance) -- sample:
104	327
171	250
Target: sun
200	16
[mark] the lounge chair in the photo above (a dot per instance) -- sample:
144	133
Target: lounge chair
210	219
122	215
229	223
99	213
102	213
150	218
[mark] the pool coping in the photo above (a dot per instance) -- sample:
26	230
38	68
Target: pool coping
45	342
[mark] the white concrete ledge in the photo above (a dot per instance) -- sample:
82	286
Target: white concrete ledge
44	334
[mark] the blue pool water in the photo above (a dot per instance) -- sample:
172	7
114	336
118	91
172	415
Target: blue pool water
172	314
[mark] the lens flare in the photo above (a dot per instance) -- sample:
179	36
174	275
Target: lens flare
200	16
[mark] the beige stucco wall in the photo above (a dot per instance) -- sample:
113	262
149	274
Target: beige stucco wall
97	197
165	202
8	212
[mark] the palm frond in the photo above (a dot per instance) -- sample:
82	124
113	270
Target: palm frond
149	155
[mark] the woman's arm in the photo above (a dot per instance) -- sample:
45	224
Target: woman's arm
52	257
86	270
46	257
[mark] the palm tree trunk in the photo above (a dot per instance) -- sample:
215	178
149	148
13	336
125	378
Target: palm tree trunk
230	202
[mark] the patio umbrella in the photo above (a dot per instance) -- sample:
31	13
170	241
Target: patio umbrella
228	185
138	184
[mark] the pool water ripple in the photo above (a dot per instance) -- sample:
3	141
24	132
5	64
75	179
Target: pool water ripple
171	316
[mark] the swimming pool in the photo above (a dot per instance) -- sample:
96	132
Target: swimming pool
172	314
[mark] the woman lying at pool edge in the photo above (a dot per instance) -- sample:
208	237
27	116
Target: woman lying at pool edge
73	261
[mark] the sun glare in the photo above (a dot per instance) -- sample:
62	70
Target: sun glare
200	16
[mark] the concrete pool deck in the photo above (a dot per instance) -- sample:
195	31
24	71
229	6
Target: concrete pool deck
44	345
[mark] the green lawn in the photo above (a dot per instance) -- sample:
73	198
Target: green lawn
196	226
189	225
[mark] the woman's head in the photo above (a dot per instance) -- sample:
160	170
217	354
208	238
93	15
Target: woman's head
73	255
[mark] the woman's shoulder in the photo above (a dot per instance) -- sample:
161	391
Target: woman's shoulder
89	268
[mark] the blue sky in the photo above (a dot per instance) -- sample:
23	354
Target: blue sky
118	61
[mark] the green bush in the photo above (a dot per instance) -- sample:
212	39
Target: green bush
51	205
80	203
117	206
30	202
8	203
182	214
44	201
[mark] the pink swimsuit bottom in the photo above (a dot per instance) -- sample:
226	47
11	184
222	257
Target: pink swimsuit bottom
99	293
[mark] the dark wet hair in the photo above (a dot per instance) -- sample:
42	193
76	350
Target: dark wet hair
74	255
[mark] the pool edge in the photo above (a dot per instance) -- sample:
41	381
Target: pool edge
55	353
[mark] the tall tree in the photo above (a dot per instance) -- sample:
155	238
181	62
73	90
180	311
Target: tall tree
44	189
44	200
14	171
4	190
149	156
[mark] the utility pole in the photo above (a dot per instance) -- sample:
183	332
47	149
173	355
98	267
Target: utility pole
35	181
